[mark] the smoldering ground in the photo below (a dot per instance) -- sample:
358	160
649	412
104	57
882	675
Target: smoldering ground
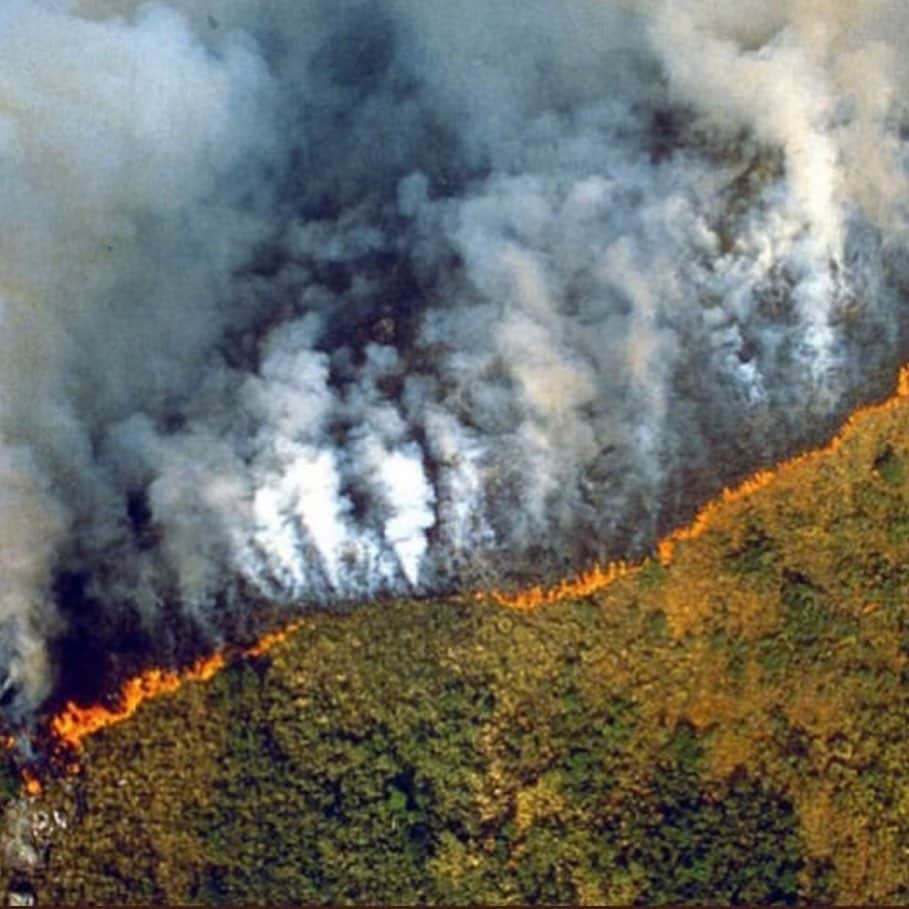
312	302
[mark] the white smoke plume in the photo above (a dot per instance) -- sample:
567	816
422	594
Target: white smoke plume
305	302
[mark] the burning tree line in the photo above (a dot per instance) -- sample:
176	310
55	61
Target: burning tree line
56	740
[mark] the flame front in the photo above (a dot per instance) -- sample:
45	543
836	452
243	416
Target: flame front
584	584
265	643
74	723
601	576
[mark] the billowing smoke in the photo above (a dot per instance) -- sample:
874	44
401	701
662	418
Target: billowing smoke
311	301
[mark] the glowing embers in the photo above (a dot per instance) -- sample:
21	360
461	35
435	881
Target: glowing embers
31	784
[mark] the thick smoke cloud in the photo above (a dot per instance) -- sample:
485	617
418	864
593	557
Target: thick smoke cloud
310	301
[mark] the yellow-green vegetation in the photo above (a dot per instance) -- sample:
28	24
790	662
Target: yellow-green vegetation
729	728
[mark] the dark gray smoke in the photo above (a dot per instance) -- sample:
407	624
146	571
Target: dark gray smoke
311	301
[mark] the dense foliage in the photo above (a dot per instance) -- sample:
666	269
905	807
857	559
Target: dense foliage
728	728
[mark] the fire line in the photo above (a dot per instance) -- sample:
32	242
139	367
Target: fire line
75	723
600	577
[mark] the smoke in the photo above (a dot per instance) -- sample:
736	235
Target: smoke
310	302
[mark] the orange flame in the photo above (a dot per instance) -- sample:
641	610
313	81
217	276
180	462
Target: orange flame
75	723
266	642
602	576
30	783
583	585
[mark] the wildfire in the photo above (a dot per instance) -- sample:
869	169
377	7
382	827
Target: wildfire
601	576
583	585
264	644
75	723
30	783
